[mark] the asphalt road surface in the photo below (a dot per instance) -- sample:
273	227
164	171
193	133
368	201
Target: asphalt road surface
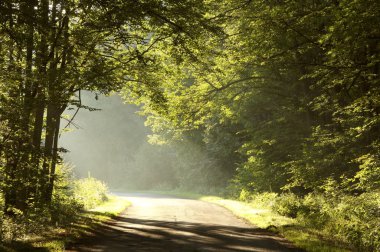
165	223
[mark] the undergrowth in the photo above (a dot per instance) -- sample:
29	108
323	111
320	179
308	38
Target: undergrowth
76	205
320	221
352	219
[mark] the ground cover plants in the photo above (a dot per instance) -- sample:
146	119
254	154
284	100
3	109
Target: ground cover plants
74	213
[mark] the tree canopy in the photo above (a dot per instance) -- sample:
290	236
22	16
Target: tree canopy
287	98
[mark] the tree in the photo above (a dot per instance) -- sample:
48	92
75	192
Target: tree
53	49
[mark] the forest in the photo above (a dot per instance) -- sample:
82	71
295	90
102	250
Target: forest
241	98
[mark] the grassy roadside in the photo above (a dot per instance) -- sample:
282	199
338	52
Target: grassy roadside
55	239
263	217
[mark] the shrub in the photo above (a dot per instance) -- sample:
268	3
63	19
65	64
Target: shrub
11	228
90	192
256	199
20	224
64	210
315	210
287	204
69	198
263	200
353	219
356	219
245	195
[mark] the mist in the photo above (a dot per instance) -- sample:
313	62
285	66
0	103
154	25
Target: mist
110	144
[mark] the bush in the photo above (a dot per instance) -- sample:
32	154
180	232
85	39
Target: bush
356	219
315	210
69	198
260	200
11	228
245	195
264	200
349	218
90	192
21	225
64	210
287	204
65	207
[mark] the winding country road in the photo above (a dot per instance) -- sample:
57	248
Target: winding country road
165	223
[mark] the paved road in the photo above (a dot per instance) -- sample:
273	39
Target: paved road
164	223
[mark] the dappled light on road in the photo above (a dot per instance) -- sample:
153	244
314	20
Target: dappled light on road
162	223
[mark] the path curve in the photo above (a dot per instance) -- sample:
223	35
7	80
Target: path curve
166	223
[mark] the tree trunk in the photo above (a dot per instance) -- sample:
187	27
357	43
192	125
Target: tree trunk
54	160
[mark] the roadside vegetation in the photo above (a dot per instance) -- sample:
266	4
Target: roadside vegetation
77	208
315	222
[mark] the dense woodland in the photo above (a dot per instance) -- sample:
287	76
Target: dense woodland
250	95
287	99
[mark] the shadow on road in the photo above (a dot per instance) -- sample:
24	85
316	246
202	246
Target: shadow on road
127	234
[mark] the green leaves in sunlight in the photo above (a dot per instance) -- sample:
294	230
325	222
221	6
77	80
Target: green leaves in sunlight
290	89
90	192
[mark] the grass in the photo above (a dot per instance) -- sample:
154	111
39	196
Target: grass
310	240
263	217
113	207
56	239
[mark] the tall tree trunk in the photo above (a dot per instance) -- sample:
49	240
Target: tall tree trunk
48	150
26	91
57	105
55	159
39	90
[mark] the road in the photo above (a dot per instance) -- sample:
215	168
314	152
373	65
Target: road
165	223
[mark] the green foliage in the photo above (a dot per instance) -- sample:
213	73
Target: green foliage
245	195
20	226
351	219
70	198
288	205
287	99
11	228
314	210
51	50
356	219
368	177
90	192
65	210
264	200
